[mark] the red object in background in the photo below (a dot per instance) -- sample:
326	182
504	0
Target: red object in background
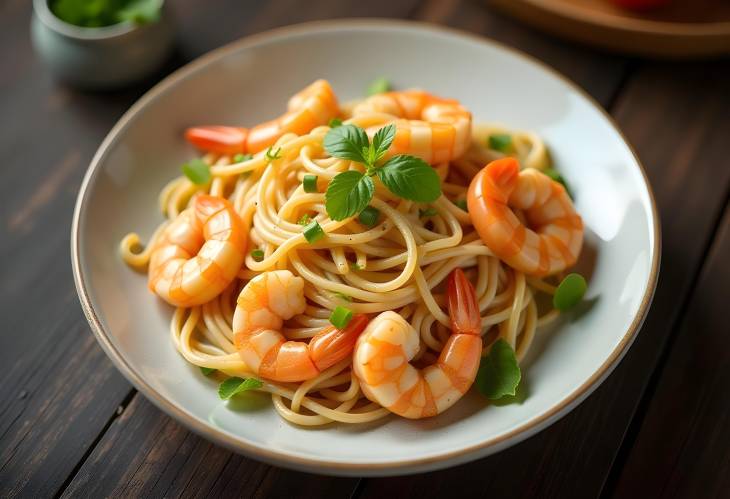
640	4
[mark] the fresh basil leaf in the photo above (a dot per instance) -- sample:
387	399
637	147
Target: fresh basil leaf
382	140
207	371
197	171
410	178
347	142
234	386
348	194
498	374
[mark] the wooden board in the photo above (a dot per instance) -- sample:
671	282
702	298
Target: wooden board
682	29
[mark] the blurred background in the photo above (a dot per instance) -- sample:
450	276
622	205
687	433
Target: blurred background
70	424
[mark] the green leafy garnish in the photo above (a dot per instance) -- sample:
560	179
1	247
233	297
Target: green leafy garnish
350	192
207	371
304	219
556	176
410	178
428	212
240	158
498	374
500	142
234	386
355	266
335	122
341	296
309	183
257	255
340	317
569	292
313	232
461	203
197	171
369	216
272	154
378	86
97	13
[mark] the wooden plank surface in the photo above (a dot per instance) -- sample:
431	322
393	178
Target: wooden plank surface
70	424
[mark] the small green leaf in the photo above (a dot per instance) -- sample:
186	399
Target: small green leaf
369	216
348	194
140	11
428	212
304	219
410	178
378	86
197	171
382	140
335	122
240	158
207	371
569	292
499	374
234	386
347	142
500	142
272	154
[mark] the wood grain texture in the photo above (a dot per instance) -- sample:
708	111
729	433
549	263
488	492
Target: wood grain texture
680	133
682	445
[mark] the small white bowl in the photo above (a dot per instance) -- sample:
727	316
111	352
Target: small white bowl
103	57
249	81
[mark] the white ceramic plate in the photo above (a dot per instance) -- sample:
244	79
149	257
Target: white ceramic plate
250	81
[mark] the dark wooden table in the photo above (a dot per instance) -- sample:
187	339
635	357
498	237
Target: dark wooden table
71	425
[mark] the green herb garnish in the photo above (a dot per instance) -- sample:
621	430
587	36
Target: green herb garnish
556	176
207	371
257	255
355	266
240	157
97	13
313	232
197	171
461	203
340	317
498	374
500	142
369	216
428	212
272	154
569	292
335	122
350	192
304	219
310	183
378	86
234	386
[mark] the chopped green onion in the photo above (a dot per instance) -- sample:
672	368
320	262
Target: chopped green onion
310	183
257	255
355	266
500	142
369	216
378	86
340	317
428	212
570	291
207	371
197	171
461	203
305	219
240	158
313	232
335	122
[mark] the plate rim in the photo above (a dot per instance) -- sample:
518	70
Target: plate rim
401	466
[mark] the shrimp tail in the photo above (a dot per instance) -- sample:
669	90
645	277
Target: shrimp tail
331	345
463	304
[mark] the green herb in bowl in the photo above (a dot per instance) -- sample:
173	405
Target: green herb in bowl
97	13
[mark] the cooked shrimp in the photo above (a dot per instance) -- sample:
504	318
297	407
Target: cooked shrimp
264	304
312	107
433	128
556	237
199	253
383	352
